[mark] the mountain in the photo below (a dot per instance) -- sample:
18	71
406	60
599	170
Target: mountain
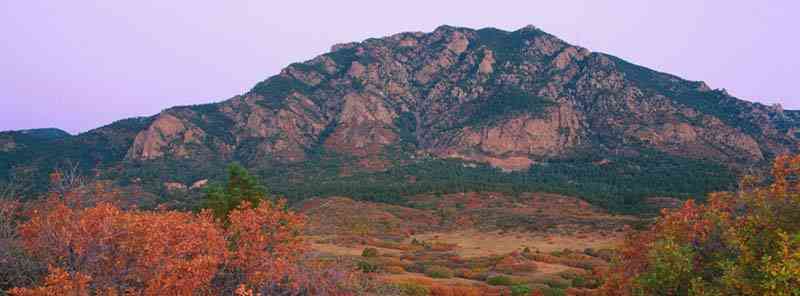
453	110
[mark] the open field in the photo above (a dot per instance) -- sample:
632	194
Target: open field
484	242
474	243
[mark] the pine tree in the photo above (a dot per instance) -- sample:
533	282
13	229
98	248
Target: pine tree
240	187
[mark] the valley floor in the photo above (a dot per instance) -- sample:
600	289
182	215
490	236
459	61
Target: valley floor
487	242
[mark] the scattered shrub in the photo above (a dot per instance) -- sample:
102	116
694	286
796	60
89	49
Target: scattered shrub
500	280
520	290
475	273
553	292
558	283
369	252
438	272
582	281
414	289
367	266
512	264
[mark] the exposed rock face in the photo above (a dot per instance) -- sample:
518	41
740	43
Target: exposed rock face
514	143
167	134
713	139
487	64
199	184
175	187
510	99
364	127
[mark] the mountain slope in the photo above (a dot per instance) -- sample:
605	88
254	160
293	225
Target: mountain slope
401	111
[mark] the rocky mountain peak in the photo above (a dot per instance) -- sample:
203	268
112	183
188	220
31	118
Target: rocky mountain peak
510	99
513	100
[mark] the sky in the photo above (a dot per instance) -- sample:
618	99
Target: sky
81	64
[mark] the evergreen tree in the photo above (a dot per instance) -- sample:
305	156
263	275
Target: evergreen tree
239	187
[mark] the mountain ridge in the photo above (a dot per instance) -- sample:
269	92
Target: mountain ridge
510	100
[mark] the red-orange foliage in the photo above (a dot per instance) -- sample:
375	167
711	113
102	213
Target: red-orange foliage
119	252
148	253
265	241
59	282
746	243
9	210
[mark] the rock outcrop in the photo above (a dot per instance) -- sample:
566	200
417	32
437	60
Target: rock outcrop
166	135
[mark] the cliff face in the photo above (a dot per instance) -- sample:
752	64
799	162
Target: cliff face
510	99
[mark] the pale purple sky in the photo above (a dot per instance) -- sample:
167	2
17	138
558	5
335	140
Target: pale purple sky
80	64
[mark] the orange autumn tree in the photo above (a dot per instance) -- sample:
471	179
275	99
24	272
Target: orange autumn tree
743	243
135	252
104	250
265	241
60	282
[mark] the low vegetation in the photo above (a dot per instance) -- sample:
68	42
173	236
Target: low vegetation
92	245
86	238
743	243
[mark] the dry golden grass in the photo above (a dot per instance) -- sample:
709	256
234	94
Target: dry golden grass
348	250
422	279
476	235
474	243
550	268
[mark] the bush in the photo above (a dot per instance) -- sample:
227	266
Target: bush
553	292
558	283
438	272
412	289
366	266
369	252
500	280
749	240
583	282
520	290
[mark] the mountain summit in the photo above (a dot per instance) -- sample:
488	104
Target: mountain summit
524	102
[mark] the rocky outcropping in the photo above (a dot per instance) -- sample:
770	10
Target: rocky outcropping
166	135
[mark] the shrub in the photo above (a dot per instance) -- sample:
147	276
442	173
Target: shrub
438	272
584	282
748	240
500	280
475	273
369	252
520	290
413	289
553	292
510	265
366	266
558	283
